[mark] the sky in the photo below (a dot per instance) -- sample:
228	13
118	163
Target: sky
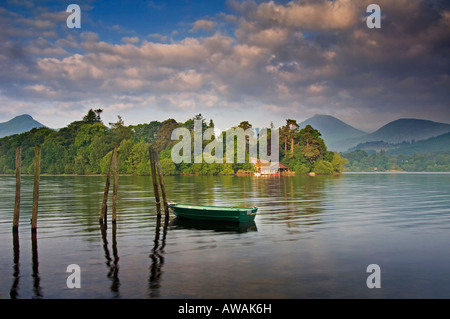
232	60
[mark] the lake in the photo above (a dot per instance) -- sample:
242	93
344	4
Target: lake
313	237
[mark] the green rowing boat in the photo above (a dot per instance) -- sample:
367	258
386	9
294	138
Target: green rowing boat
218	213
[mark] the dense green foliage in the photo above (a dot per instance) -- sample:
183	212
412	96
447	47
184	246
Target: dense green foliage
361	161
305	151
435	144
85	147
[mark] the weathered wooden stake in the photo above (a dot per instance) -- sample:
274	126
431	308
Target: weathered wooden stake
155	183
37	160
103	215
161	183
115	185
17	200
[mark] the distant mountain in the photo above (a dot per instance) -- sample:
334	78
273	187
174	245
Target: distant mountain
334	131
407	130
402	131
17	125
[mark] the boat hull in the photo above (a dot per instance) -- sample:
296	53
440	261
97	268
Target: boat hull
217	213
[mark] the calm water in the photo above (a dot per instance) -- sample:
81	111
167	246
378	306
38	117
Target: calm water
313	237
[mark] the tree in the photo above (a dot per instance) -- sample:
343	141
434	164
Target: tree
146	132
323	167
167	166
313	146
93	116
292	132
119	131
355	156
164	135
90	145
338	163
301	169
284	134
189	124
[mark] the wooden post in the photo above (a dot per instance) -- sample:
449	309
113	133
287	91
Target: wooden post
17	200
103	215
37	159
115	185
161	183
155	183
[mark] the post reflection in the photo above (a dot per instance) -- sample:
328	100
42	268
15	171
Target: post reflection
157	257
14	291
37	291
111	262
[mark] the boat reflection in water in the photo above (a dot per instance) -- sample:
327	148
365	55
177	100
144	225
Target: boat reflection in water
218	226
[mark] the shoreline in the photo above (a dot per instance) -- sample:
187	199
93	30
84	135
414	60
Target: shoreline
237	175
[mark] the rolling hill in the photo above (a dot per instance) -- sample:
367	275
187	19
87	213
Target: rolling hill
17	125
436	144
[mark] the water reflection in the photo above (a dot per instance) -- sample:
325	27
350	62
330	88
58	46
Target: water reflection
111	263
218	226
37	291
16	273
157	257
313	235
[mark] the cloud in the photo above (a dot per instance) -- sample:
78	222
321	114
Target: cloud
130	39
298	58
308	15
202	24
158	36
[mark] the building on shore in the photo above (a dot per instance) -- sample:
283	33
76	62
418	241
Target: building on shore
264	167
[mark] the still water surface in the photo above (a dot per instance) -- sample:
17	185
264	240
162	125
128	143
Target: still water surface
313	237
